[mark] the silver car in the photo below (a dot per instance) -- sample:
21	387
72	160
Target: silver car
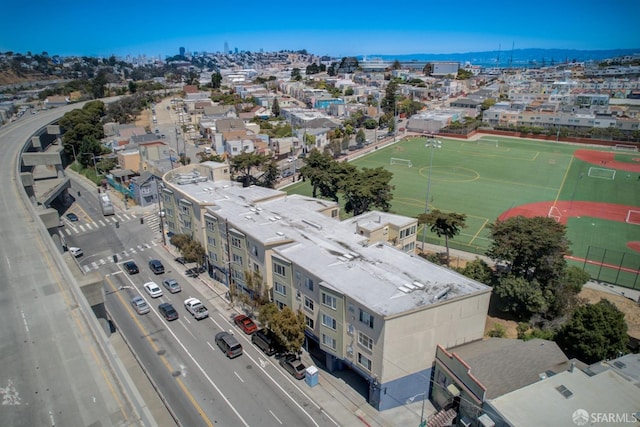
140	305
172	286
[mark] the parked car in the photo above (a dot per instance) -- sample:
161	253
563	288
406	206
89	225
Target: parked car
131	267
72	217
76	252
245	323
140	305
172	285
287	173
153	289
228	344
156	266
167	311
180	260
265	340
293	365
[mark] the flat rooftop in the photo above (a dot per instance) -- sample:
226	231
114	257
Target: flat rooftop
375	274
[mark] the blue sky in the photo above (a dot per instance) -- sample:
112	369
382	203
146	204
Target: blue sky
336	28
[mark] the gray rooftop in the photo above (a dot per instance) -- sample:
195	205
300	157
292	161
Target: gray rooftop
377	275
553	401
503	365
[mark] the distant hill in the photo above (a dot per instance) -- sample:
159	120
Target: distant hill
515	58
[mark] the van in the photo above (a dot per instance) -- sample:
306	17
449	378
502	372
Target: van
265	342
228	344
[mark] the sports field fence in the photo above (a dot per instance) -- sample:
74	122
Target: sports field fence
611	266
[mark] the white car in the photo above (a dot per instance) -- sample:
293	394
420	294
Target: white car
153	289
76	252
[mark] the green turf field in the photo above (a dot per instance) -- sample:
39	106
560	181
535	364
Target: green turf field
485	178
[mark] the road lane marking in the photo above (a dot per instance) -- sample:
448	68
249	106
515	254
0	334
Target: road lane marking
278	384
155	348
274	416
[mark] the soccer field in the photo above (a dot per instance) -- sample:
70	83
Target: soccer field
497	176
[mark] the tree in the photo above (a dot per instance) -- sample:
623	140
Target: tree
360	136
317	167
533	248
365	189
478	270
295	74
288	327
275	108
245	163
595	332
520	297
443	224
464	74
189	248
388	103
266	314
216	80
488	103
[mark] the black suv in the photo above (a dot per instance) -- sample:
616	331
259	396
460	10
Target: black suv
156	266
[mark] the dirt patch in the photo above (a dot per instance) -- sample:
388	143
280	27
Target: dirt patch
606	159
510	326
634	246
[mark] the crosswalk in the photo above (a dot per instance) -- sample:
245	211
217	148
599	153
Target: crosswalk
73	228
127	253
152	220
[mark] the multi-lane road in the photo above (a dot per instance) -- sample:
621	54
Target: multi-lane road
57	368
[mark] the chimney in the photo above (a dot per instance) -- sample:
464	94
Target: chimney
572	367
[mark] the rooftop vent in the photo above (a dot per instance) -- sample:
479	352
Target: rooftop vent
564	391
418	285
312	224
443	293
404	289
279	233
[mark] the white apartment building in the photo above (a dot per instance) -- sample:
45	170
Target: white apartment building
370	304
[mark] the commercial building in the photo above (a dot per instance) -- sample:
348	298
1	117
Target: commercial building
370	304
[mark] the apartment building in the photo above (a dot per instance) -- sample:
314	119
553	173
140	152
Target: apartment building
370	304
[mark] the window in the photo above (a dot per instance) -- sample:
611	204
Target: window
211	241
308	283
364	362
279	269
236	242
407	232
280	305
329	301
184	210
308	303
309	322
237	259
365	341
366	318
408	248
213	256
186	224
211	226
329	341
279	288
329	321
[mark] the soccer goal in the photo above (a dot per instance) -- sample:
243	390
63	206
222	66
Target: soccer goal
401	162
554	213
602	173
626	147
633	217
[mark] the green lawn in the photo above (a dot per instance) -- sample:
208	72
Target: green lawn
484	178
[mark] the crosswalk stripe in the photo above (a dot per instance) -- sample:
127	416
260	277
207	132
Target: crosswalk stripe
94	264
68	232
86	268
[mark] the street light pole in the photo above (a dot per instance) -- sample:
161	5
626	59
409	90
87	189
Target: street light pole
431	145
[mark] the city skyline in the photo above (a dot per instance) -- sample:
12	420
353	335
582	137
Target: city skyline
340	29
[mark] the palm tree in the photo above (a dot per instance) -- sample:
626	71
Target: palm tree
443	224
